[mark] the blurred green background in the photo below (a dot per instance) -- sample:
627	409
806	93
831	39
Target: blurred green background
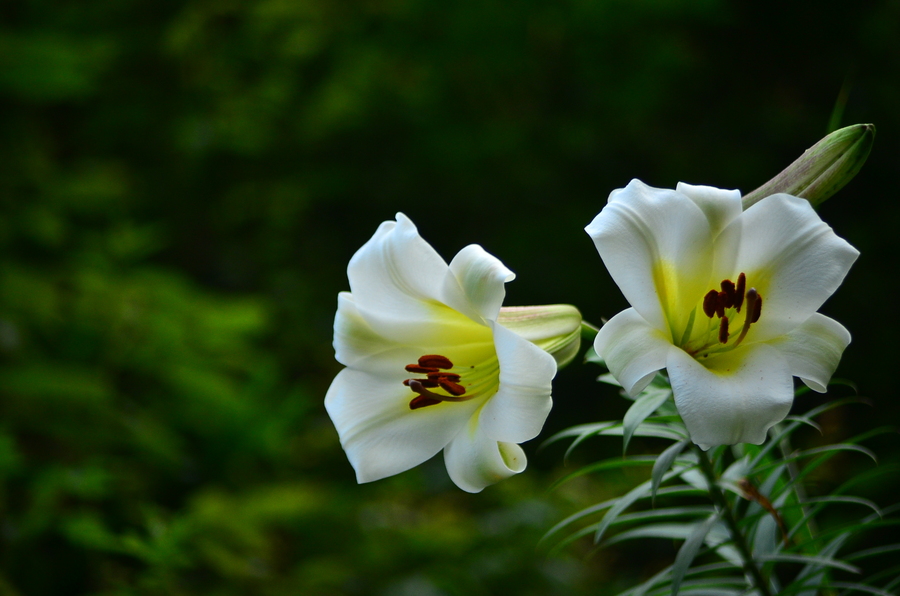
182	183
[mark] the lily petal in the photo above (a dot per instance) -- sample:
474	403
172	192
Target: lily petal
516	413
378	431
397	281
721	207
657	246
634	350
736	399
396	270
480	277
475	460
793	258
355	341
813	350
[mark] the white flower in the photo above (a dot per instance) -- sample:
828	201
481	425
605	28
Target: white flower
725	300
428	365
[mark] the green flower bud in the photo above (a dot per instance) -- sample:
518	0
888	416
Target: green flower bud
555	328
823	169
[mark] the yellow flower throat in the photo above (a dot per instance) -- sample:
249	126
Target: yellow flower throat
723	309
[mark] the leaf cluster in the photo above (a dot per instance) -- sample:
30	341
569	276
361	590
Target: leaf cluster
742	515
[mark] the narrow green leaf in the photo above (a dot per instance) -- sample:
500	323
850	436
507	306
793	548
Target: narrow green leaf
830	499
670	531
577	516
689	550
578	441
871	552
694	571
836	447
647	585
608	464
894	583
648	429
809	560
609	380
785	431
805	420
625	501
645	405
592	356
672	512
663	464
828	587
581	431
711	587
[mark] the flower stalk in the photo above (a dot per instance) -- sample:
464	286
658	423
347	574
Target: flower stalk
737	536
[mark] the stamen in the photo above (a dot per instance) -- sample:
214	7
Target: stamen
728	289
757	309
723	331
709	303
427	398
739	291
753	298
445	376
451	387
721	300
420	401
435	361
422	370
424	382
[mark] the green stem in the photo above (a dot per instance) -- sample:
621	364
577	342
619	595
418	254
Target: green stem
740	541
588	331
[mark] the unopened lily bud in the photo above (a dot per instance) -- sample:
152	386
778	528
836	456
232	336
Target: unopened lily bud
823	169
555	328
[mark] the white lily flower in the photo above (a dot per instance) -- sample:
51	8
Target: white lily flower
428	365
725	300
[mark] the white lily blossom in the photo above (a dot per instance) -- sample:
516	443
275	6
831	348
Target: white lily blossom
725	300
428	366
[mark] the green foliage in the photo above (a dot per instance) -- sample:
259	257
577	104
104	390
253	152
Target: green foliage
182	184
764	533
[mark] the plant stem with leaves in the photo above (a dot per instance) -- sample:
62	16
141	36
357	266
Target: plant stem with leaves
737	536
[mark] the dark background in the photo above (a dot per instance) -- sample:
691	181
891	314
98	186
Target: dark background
182	183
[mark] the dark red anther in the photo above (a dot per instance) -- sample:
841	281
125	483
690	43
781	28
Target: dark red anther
451	387
435	361
757	309
420	401
709	303
739	291
721	301
723	331
423	382
422	370
443	376
728	289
